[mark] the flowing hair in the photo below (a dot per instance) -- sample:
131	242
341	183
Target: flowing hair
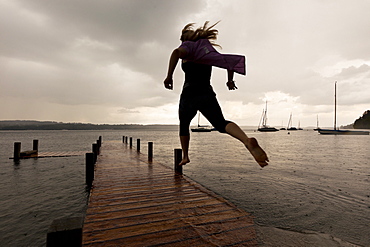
203	32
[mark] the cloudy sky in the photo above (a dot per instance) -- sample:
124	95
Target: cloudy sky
98	61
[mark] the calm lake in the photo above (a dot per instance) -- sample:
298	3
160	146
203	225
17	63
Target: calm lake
313	183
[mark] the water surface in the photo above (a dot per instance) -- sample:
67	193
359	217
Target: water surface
314	182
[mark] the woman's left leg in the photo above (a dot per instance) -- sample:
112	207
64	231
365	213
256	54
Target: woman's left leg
212	111
250	143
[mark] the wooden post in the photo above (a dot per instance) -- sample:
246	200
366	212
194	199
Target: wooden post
130	142
99	141
17	151
123	139
178	158
126	139
65	232
98	145
150	151
95	151
138	145
89	169
35	145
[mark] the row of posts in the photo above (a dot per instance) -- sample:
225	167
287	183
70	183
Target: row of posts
177	152
92	157
126	139
91	160
17	149
68	231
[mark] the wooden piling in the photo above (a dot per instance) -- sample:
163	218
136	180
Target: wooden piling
178	158
130	142
123	139
98	142
35	145
150	151
17	151
138	145
95	151
65	232
89	169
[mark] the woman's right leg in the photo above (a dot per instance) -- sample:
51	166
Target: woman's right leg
187	112
185	140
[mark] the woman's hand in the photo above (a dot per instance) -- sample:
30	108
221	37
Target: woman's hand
168	83
231	85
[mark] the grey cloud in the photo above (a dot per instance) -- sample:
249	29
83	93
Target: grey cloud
115	53
354	71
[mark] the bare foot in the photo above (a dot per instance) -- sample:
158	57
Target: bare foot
257	152
184	161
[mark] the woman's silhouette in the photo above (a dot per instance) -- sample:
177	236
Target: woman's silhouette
198	56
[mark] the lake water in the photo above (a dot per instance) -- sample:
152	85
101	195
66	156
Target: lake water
313	183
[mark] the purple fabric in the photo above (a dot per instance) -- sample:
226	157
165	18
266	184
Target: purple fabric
203	52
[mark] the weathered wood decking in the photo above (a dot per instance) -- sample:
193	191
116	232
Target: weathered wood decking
136	203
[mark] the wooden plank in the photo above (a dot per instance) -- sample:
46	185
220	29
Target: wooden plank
136	203
28	153
35	154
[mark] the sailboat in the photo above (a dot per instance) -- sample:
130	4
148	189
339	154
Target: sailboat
317	123
282	124
289	124
200	128
299	126
337	131
265	127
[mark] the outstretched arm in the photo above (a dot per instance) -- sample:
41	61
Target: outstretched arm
230	80
175	56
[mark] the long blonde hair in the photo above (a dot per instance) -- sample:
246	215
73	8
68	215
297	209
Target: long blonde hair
203	32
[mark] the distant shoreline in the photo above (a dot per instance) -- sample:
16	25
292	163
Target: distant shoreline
9	125
51	125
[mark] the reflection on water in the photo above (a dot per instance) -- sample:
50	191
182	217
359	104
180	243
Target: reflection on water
314	182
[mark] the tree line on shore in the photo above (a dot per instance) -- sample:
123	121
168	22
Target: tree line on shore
362	122
51	125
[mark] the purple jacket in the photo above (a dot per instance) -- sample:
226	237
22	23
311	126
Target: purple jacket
203	52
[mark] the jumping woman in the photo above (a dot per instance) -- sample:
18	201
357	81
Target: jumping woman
198	56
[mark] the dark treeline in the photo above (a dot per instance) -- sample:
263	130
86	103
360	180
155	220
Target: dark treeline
363	122
50	125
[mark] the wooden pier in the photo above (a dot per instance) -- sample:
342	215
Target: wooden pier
134	202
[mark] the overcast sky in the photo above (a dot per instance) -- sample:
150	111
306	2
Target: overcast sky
99	61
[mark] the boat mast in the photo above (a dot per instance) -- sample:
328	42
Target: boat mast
198	119
265	116
317	121
290	121
335	105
